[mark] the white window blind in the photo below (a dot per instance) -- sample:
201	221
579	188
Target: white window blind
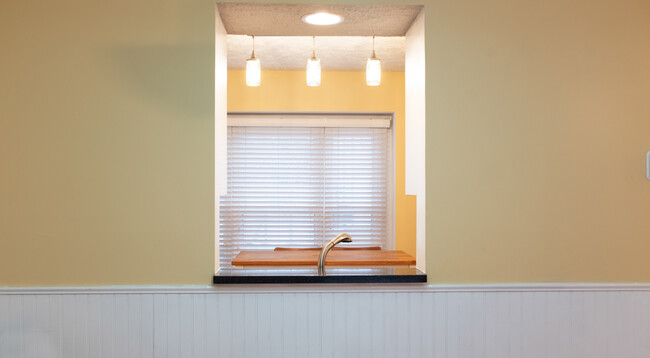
302	185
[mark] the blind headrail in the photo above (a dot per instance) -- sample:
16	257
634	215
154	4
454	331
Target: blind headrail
319	120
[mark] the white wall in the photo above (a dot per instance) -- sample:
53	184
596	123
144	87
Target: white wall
415	140
275	321
220	122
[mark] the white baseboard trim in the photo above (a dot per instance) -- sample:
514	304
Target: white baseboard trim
326	288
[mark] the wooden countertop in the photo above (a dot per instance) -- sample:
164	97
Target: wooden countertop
341	258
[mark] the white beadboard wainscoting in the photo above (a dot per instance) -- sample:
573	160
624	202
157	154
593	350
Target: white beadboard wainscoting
296	321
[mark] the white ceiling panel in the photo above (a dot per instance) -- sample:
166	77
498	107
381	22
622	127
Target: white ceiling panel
285	19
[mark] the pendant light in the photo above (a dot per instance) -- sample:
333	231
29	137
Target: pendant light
253	69
373	68
313	68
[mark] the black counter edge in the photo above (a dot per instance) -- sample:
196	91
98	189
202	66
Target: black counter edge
280	279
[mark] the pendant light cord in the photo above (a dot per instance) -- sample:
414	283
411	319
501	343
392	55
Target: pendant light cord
313	47
253	55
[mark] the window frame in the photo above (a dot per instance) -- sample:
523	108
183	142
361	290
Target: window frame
335	117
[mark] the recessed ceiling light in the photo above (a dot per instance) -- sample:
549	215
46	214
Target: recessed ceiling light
322	18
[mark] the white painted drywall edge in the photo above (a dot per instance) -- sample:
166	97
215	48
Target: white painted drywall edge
220	121
415	103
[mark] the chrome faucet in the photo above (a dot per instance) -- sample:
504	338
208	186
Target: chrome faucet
327	248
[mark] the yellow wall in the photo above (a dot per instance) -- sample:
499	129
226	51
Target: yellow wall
106	142
538	121
537	126
339	91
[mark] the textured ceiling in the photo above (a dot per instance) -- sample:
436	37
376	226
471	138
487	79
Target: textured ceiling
285	19
337	53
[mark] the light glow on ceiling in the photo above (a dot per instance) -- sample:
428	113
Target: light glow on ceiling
322	19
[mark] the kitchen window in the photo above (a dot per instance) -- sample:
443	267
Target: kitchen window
297	180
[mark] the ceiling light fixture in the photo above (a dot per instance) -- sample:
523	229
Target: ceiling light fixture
253	69
322	19
313	67
373	68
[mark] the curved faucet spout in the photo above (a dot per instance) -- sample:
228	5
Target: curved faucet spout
327	248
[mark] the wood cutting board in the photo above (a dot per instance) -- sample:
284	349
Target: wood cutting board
339	258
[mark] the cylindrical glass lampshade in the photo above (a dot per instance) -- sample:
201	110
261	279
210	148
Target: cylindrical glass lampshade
373	72
313	72
253	72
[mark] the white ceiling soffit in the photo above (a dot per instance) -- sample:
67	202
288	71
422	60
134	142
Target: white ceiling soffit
337	53
285	19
